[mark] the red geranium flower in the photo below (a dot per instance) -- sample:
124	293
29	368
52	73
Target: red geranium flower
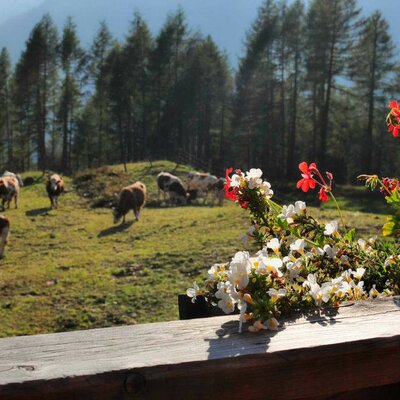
322	195
393	118
230	193
307	182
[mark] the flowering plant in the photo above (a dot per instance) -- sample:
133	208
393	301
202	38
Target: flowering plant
300	262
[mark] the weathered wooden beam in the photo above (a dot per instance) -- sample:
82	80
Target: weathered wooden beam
354	353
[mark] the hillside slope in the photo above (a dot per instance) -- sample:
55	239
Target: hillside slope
71	268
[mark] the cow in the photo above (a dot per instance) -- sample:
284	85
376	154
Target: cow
54	187
203	183
172	187
9	189
4	232
16	176
132	197
218	192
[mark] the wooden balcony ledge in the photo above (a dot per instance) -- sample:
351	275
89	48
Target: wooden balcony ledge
351	354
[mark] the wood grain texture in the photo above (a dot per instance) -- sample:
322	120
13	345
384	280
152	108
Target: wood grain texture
312	356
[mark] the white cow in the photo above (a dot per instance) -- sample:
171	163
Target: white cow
203	183
172	187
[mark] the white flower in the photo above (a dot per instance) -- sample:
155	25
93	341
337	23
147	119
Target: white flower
274	244
293	268
299	207
276	294
214	271
359	290
236	180
331	252
373	292
287	213
227	304
254	173
311	280
224	289
340	287
346	275
272	324
331	228
298	245
318	293
266	189
359	273
254	178
362	244
390	261
270	265
194	291
239	270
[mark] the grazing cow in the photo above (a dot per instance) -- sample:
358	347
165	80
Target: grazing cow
4	232
203	182
9	189
172	187
54	187
132	197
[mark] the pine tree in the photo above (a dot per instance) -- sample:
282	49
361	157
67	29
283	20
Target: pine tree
331	27
72	63
371	63
6	129
99	103
39	63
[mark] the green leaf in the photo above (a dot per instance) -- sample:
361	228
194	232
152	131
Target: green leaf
350	235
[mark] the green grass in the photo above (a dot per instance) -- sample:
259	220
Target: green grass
71	268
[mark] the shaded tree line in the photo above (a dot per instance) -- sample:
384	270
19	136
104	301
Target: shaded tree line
313	84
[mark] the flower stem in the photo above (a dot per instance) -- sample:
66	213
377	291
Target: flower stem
339	209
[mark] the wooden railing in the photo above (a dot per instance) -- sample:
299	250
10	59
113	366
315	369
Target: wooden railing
350	354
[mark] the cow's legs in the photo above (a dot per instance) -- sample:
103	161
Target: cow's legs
213	195
137	213
16	201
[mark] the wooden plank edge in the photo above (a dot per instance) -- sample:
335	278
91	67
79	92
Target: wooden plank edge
319	372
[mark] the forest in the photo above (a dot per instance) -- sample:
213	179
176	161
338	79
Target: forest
313	84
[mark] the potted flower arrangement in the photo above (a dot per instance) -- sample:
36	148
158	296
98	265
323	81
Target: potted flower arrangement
302	263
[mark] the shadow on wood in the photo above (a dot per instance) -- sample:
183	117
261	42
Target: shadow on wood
199	309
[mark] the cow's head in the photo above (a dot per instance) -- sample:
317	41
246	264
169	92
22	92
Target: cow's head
53	184
117	215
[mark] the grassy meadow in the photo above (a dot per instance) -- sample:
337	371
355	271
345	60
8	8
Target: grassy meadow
71	268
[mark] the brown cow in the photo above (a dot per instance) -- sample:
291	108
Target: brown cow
132	197
9	189
4	232
54	187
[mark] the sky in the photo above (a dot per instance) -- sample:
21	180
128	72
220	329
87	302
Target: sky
17	18
11	8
